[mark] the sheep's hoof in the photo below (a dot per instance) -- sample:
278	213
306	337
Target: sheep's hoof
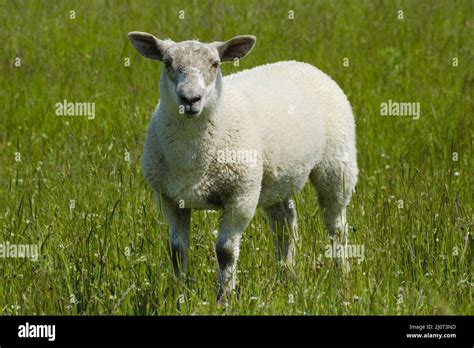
222	303
343	265
224	296
286	271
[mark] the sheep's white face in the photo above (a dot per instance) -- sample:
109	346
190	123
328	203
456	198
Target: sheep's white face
191	67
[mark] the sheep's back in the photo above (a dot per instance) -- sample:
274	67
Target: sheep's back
296	108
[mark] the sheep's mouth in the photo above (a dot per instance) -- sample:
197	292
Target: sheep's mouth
192	113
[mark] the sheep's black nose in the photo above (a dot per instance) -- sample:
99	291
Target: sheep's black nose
190	100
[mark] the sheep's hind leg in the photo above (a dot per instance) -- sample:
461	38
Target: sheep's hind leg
335	187
282	218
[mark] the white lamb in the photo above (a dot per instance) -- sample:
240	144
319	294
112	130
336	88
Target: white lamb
291	121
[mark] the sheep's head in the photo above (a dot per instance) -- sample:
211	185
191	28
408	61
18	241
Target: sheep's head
191	67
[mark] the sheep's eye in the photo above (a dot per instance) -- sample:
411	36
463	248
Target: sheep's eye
215	64
167	63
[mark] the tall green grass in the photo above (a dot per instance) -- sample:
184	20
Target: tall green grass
107	253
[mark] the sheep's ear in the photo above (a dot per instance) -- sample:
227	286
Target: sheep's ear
148	45
238	47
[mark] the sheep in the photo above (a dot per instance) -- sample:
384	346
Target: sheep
291	119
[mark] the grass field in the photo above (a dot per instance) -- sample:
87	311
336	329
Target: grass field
74	186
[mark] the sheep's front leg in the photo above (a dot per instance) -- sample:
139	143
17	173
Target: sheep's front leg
233	223
179	221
